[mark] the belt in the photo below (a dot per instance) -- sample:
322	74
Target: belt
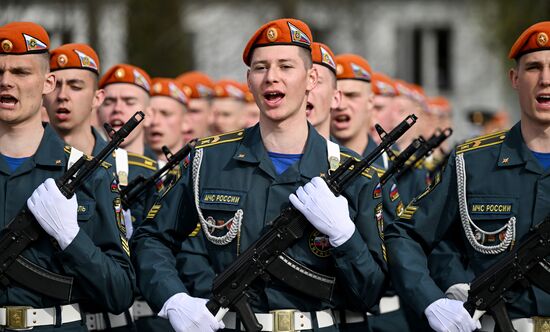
387	304
533	324
141	309
348	317
284	320
22	317
97	321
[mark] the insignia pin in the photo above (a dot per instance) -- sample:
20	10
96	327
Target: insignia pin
505	160
123	178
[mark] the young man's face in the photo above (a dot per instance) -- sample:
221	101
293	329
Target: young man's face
323	97
166	124
228	115
24	79
199	117
252	114
280	82
70	104
531	78
122	101
385	112
353	116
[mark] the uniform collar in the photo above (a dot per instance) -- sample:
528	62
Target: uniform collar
371	145
50	152
313	162
99	144
514	151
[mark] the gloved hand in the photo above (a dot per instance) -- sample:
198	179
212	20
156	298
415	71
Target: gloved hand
326	212
127	214
187	313
449	315
55	213
458	292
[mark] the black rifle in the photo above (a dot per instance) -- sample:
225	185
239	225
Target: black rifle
23	230
525	263
400	161
266	257
426	149
140	184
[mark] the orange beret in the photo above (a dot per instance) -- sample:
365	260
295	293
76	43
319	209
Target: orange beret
418	94
196	84
229	88
403	88
284	31
167	87
439	105
123	73
23	38
74	56
321	54
351	66
382	85
535	38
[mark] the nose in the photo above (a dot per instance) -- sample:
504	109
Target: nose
62	93
545	76
6	81
272	75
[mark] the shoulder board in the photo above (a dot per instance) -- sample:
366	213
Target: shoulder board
104	164
219	139
369	172
481	142
380	171
143	161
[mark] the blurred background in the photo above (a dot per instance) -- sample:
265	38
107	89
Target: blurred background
454	48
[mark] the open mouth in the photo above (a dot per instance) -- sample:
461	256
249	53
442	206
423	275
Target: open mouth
116	124
309	108
62	114
273	97
342	119
543	99
7	101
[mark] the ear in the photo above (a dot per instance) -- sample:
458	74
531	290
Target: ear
312	77
513	75
148	120
49	84
336	99
99	96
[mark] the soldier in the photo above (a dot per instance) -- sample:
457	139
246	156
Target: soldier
505	169
255	171
251	110
199	88
325	96
127	90
228	107
84	240
69	106
385	109
168	105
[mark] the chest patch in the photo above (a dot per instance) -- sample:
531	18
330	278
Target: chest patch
481	208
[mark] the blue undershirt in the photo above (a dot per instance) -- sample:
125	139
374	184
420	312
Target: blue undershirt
283	161
14	163
543	158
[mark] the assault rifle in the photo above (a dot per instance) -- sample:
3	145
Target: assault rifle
400	161
525	263
426	149
140	184
265	258
23	230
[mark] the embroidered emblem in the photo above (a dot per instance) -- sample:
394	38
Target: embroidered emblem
394	194
298	36
377	192
319	244
85	60
34	44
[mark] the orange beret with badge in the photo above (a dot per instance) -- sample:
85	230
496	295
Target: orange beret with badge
535	38
439	105
23	38
229	89
168	87
196	84
284	31
353	67
123	73
322	55
383	85
74	56
418	95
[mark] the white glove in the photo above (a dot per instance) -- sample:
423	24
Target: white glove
127	214
458	292
449	315
187	313
326	212
54	212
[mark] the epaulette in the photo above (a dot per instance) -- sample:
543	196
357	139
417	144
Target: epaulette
104	164
219	139
482	142
369	172
142	161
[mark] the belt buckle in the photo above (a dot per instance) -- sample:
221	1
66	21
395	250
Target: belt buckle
283	320
542	324
16	318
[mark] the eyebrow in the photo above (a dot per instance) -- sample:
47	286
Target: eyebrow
73	81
